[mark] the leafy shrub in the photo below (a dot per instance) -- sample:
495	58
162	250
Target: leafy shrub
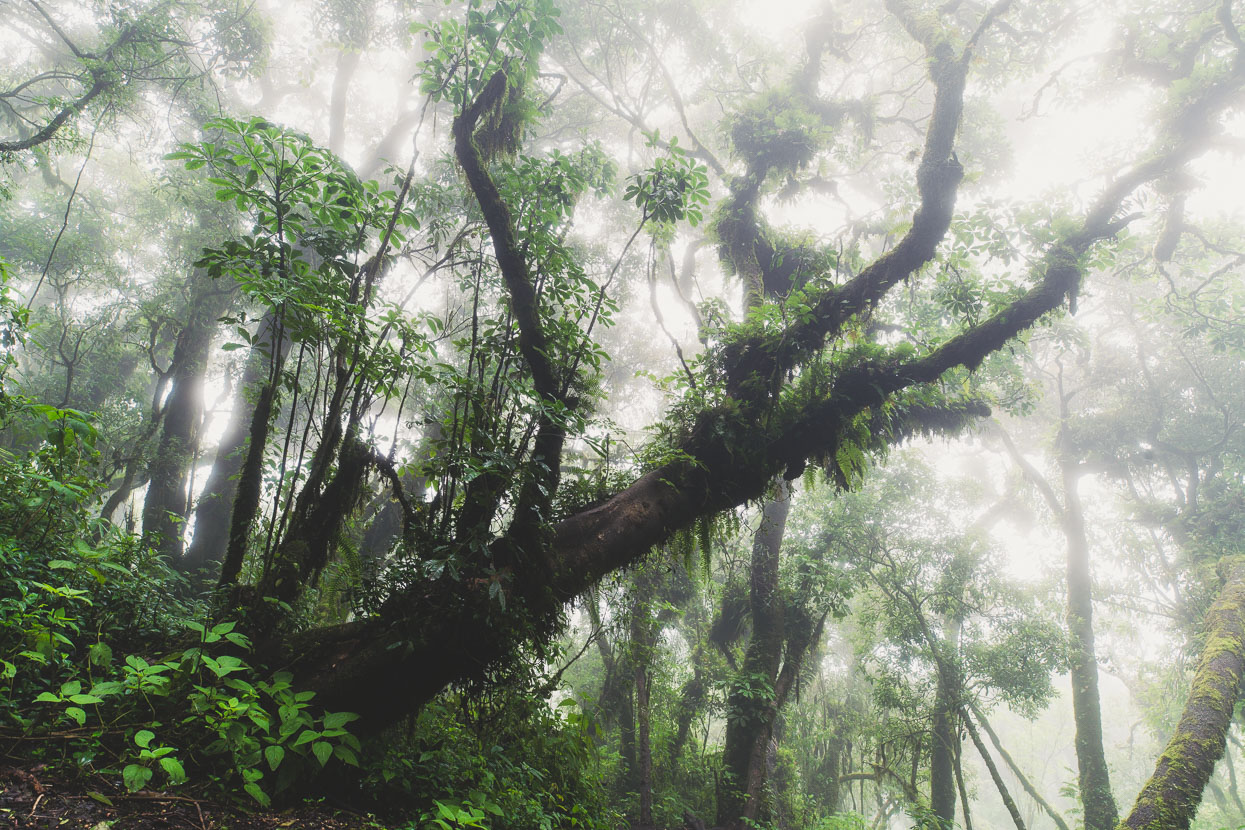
524	765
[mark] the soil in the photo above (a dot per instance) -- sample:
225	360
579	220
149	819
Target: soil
35	797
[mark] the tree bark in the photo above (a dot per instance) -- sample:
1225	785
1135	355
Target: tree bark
959	783
1169	800
305	550
944	747
167	502
249	489
1094	777
752	705
215	505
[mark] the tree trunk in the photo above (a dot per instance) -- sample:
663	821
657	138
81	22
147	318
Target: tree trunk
752	705
1095	781
959	783
347	63
249	490
1170	799
312	534
643	640
166	504
944	747
215	505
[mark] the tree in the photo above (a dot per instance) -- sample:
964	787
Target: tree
732	447
75	74
444	336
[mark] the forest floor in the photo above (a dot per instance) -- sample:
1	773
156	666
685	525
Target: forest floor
39	799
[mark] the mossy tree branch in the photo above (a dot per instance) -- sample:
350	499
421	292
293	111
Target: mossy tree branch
1170	799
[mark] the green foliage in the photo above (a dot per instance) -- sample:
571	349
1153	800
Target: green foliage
312	220
465	54
73	616
523	765
674	188
776	130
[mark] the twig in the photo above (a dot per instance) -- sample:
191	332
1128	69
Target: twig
65	223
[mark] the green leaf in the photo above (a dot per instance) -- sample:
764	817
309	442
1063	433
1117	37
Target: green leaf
107	688
100	654
323	750
135	777
77	714
100	797
335	720
274	755
346	754
85	700
144	737
307	736
47	697
253	790
174	769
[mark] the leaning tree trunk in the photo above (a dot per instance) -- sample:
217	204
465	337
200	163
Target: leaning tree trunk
1170	799
1015	768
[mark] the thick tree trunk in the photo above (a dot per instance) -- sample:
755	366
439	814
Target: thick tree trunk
167	502
1095	781
312	534
752	705
1170	799
212	511
944	747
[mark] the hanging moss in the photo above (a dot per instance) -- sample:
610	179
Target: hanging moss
500	131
